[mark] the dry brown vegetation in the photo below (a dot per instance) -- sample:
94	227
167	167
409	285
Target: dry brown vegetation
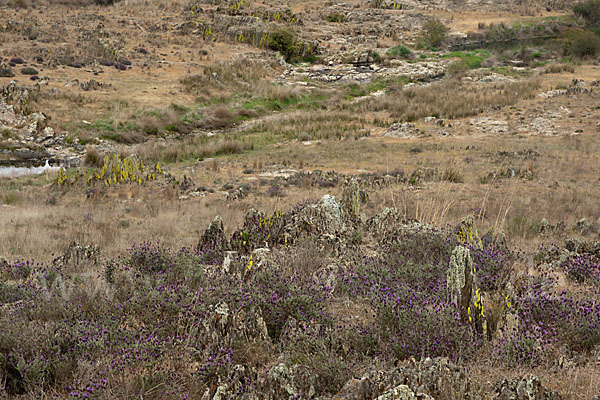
234	128
450	99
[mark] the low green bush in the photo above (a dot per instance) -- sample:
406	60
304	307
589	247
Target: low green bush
286	42
590	11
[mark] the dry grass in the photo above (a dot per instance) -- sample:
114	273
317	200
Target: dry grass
559	68
449	99
312	125
190	149
223	78
93	158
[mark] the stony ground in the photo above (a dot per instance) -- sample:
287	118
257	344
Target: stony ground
355	216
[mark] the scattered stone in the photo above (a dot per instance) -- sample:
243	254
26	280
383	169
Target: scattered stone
489	125
403	130
426	379
92	84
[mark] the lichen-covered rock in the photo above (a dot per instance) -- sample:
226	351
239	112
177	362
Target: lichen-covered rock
20	96
353	199
37	123
235	385
213	239
77	258
380	223
584	228
425	379
403	392
467	233
229	260
222	327
438	377
525	388
327	221
491	239
259	231
280	383
327	216
461	283
355	389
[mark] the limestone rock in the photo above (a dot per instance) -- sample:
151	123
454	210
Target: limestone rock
459	276
462	287
213	239
355	389
280	380
467	233
403	392
37	123
423	380
524	388
584	228
381	222
402	130
223	327
353	199
77	258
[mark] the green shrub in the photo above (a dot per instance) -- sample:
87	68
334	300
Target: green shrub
589	11
400	51
29	71
6	73
458	68
434	33
336	17
286	42
584	44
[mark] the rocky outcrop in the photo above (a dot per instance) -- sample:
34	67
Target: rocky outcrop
462	287
223	327
362	68
213	239
523	388
353	200
403	392
27	138
425	379
77	258
403	130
